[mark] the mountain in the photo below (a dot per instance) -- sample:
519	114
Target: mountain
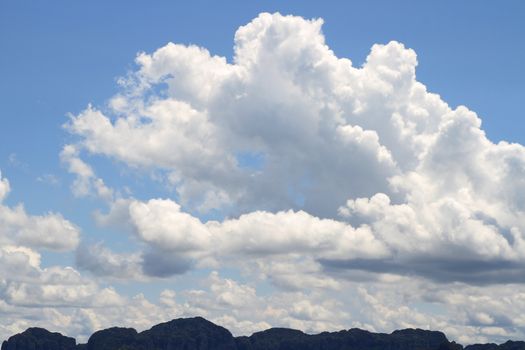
510	345
200	334
184	334
39	339
353	339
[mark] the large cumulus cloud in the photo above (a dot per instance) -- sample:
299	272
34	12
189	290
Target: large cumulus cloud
326	177
316	154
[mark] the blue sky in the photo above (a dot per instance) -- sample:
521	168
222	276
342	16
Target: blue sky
59	57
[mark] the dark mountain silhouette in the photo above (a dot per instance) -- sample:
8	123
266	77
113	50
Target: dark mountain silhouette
200	334
510	345
39	339
281	339
184	334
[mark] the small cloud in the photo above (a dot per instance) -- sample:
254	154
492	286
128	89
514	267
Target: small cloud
15	162
49	179
12	158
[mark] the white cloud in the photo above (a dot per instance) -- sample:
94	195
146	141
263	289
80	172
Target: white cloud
176	240
279	99
162	224
24	283
4	187
221	300
86	182
330	177
50	231
49	179
103	262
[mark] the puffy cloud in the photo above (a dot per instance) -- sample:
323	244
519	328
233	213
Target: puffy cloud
442	240
240	307
230	293
285	99
24	283
86	182
222	300
103	262
466	313
4	187
162	224
446	239
50	231
176	240
329	177
26	286
53	297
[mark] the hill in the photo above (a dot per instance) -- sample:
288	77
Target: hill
200	334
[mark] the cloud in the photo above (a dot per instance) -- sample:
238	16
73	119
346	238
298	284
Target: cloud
49	179
222	300
50	231
418	183
325	177
33	293
442	241
176	240
284	97
4	188
103	262
86	182
24	282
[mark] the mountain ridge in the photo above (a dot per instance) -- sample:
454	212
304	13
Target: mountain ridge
197	333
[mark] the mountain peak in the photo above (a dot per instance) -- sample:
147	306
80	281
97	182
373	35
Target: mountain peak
35	338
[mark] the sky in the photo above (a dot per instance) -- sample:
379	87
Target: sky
319	166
